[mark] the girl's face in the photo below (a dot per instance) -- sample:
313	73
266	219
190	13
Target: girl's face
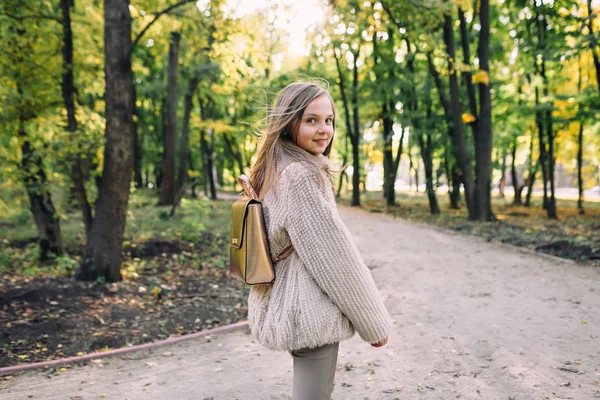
316	126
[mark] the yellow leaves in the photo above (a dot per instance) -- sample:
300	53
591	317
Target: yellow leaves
465	5
468	118
481	76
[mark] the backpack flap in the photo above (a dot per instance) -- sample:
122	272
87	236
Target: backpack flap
238	219
237	250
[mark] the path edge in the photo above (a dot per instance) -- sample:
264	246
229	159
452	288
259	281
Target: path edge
123	350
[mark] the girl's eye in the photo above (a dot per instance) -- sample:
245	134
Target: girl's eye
310	120
329	120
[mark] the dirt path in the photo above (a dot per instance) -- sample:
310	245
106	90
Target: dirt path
473	320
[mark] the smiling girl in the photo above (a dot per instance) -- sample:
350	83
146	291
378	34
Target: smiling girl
323	291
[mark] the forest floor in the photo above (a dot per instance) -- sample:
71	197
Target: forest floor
176	281
473	320
176	273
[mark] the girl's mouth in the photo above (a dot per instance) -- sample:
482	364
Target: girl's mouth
321	141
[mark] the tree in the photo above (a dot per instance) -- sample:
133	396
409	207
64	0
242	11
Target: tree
483	140
169	185
102	259
68	90
29	99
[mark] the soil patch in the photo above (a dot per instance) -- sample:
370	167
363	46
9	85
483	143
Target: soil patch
168	290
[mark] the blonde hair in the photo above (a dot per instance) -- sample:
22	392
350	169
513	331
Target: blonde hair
279	137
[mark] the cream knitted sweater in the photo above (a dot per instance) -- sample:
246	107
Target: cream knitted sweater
323	292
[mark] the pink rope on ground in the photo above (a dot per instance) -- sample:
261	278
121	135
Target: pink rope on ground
123	350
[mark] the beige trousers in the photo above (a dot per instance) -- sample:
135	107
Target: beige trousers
314	372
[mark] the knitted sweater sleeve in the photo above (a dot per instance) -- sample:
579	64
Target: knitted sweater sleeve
326	248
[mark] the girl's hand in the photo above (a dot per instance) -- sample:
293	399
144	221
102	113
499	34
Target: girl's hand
382	342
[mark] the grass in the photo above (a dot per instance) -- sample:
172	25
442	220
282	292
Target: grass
196	222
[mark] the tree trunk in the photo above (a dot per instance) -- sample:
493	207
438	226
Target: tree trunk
502	182
168	188
389	175
68	89
356	134
579	166
425	148
453	179
416	168
530	181
137	147
343	174
40	200
483	141
209	149
349	128
188	103
467	76
550	202
237	154
426	155
455	175
518	200
102	259
464	161
592	41
542	158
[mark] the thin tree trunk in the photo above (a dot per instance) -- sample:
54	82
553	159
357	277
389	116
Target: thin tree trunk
208	154
454	175
518	188
467	76
426	150
580	144
531	181
356	134
168	189
138	148
543	155
188	103
40	201
102	259
592	42
346	104
389	175
579	166
237	155
417	181
482	197
551	202
425	147
343	174
68	89
464	161
410	169
502	182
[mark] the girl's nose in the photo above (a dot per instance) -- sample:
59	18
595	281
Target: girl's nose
322	128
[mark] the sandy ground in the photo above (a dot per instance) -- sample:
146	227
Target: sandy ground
473	320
